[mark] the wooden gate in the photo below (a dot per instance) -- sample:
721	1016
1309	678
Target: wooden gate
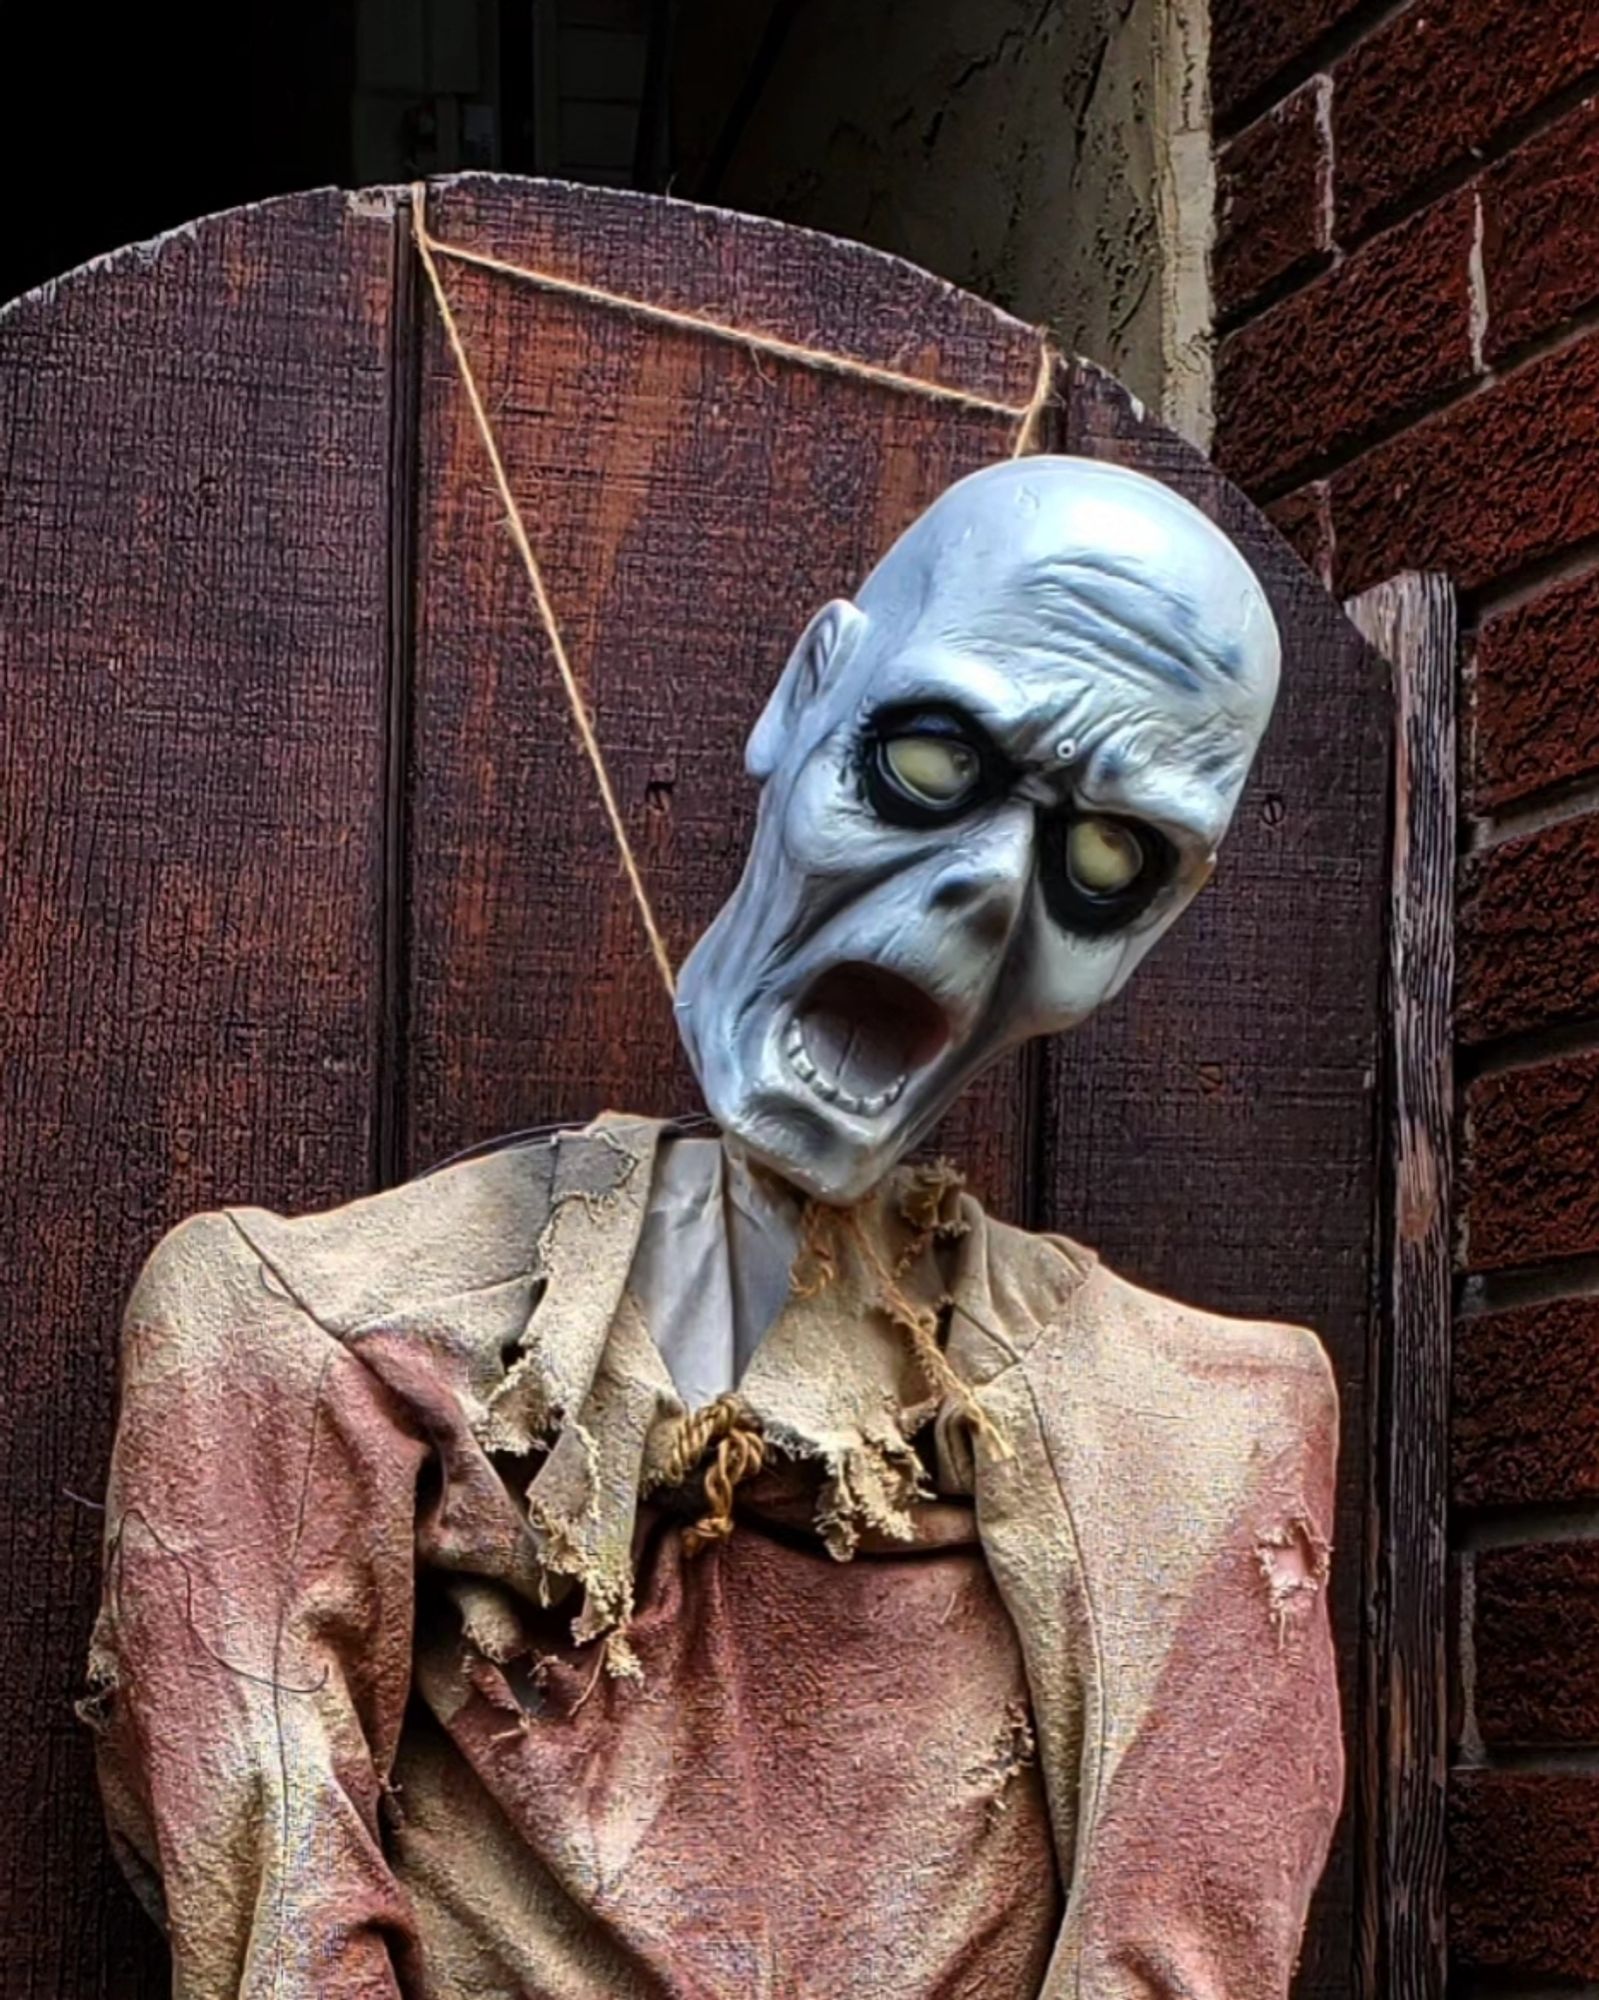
303	884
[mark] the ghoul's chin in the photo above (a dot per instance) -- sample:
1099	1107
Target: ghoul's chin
832	1078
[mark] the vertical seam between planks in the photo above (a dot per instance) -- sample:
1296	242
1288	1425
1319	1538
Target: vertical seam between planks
390	1135
1036	1166
1032	1167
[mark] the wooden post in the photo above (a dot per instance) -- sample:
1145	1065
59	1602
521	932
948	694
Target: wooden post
1401	1763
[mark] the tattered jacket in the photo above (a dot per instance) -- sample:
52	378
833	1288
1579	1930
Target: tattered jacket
453	1378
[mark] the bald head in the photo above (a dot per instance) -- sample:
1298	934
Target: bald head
1078	556
990	783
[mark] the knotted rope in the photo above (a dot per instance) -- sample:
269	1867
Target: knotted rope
1028	417
730	1425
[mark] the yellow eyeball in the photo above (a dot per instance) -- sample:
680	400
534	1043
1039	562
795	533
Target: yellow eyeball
936	769
1103	856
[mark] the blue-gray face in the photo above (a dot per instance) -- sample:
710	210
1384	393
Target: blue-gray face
989	785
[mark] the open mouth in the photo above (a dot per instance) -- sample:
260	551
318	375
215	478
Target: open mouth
860	1034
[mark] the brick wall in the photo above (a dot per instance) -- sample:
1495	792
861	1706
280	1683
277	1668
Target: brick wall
1407	288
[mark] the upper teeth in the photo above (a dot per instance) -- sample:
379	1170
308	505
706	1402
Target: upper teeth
825	1088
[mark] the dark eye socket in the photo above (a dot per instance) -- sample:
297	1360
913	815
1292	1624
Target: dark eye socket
1099	872
925	766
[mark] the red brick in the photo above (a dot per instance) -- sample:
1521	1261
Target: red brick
1524	1401
1535	694
1303	520
1439	82
1252	40
1524	1873
1528	932
1500	479
1537	1644
1352	352
1531	1164
1540	231
1273	197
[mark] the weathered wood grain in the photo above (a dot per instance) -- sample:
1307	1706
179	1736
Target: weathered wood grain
1405	1726
192	537
691	505
1212	1133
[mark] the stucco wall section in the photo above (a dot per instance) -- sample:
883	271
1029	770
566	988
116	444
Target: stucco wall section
1042	152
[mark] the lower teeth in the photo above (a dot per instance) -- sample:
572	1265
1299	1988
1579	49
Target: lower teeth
829	1092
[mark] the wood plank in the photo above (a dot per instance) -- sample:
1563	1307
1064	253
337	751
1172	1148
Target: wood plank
1411	622
192	650
1211	1133
692	506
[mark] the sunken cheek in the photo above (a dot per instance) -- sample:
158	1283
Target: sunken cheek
1068	975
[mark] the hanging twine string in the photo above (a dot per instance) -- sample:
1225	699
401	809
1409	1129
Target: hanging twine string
1032	416
541	597
824	1228
921	1326
1028	418
1027	415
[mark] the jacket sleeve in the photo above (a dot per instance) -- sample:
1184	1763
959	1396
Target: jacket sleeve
251	1661
1216	1773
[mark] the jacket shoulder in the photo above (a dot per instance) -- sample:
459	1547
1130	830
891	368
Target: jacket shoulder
469	1227
1207	1343
1076	1301
1264	1382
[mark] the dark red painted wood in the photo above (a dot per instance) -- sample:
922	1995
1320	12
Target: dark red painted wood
1405	1723
193	441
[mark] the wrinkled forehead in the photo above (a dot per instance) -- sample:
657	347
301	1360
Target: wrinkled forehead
1060	600
1065	555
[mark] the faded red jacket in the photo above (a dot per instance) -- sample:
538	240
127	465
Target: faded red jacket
452	1378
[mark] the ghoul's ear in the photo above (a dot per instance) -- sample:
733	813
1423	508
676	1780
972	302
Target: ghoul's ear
814	666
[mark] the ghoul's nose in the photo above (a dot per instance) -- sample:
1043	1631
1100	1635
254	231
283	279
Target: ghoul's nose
982	886
982	891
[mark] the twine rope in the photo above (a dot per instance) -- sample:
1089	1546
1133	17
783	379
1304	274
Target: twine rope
541	597
921	1325
731	1426
822	1230
1028	418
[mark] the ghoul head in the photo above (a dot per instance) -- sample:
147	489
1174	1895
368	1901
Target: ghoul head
989	784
